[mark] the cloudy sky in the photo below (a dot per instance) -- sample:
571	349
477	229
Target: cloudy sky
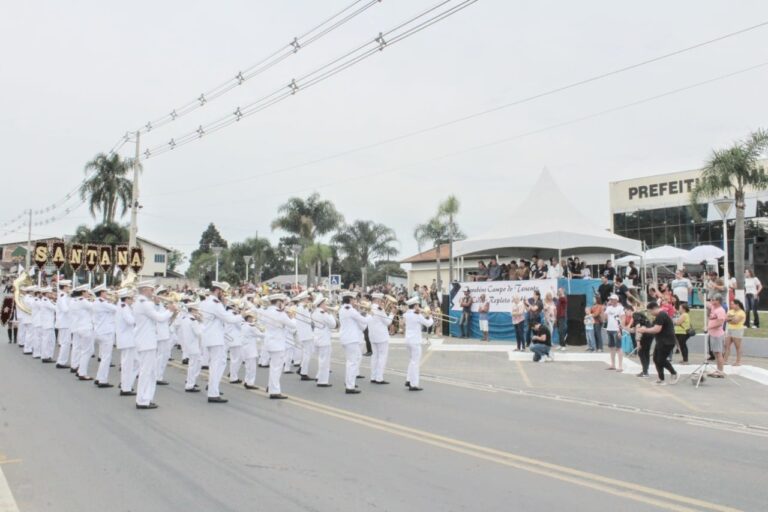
77	75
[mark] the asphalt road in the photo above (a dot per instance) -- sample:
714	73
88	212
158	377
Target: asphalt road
67	446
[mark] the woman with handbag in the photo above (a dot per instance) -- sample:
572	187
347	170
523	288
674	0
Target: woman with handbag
683	329
734	330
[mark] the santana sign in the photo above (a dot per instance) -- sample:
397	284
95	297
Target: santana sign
90	256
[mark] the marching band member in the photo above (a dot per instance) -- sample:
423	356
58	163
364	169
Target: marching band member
292	346
36	325
125	338
25	322
63	331
47	325
263	353
353	323
234	337
414	321
304	333
104	329
251	335
214	318
163	338
278	327
378	331
324	322
83	330
190	332
147	317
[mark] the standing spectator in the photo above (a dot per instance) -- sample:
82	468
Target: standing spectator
682	287
586	273
518	321
433	291
534	307
715	324
504	272
665	342
612	316
542	342
644	341
597	314
589	329
466	314
483	310
554	271
620	289
494	270
605	289
482	271
752	289
734	330
632	274
562	317
682	328
541	270
550	312
609	271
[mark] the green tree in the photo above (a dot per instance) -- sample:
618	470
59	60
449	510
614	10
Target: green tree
110	233
362	243
383	269
108	187
175	259
449	209
730	172
315	256
210	238
437	231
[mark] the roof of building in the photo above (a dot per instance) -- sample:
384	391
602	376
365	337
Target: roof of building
150	242
428	255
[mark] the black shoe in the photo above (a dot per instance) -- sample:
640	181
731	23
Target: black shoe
204	368
368	354
62	366
324	385
47	360
111	365
192	390
185	361
352	391
217	400
297	365
287	371
407	384
84	378
414	388
238	381
306	377
35	357
360	377
277	397
127	393
152	405
263	366
379	382
105	385
72	370
248	386
162	383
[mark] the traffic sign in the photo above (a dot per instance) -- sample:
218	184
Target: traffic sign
335	281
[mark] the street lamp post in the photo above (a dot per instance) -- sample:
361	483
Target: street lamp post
330	262
296	249
724	207
247	259
217	251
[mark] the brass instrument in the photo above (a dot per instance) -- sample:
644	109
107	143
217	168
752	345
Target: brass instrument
129	280
172	298
294	312
20	282
439	316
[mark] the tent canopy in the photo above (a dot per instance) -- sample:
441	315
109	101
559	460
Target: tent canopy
668	255
546	222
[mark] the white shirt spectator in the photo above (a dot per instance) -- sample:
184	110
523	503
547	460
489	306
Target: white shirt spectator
751	284
681	287
613	314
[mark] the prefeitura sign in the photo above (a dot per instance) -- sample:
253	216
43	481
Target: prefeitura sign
501	293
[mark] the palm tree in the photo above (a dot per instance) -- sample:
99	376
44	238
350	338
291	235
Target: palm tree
108	186
315	255
450	208
730	171
437	231
365	241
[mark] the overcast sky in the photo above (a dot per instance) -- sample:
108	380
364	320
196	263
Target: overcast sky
77	75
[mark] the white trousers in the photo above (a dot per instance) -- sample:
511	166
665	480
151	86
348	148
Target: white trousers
216	369
163	353
275	371
205	357
379	360
354	355
264	355
308	348
76	349
323	364
65	346
193	370
145	390
105	342
414	363
48	345
288	356
235	362
250	371
37	343
84	341
129	368
21	336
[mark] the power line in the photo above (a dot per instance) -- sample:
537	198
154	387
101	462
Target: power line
474	115
337	65
314	34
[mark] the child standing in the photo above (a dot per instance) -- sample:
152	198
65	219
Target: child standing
589	328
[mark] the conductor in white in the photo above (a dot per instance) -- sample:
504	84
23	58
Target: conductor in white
214	317
147	318
414	321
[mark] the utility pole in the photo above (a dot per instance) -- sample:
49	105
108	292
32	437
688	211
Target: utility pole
135	194
29	242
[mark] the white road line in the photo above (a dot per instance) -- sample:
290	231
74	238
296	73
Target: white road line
7	502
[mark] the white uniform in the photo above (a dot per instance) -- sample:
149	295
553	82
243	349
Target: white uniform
263	352
147	318
36	328
82	334
47	329
378	332
234	337
189	331
163	343
104	328
324	323
63	326
125	337
25	326
413	326
306	337
214	318
278	327
351	335
251	336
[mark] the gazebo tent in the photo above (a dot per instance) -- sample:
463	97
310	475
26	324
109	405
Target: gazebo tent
546	222
663	255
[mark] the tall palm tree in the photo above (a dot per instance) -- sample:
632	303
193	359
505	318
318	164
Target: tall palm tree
108	186
365	241
315	255
450	208
730	171
437	231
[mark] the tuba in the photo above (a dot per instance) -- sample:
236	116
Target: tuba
21	281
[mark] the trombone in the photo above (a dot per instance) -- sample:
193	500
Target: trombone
439	316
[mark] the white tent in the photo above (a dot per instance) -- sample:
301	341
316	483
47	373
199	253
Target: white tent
708	253
546	220
664	255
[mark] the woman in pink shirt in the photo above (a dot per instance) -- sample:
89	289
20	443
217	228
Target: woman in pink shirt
716	332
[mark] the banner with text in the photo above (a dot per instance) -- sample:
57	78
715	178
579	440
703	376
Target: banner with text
500	293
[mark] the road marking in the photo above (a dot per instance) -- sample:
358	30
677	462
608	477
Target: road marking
681	401
10	461
648	495
524	374
7	502
426	357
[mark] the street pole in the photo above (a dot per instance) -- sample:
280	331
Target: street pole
29	242
330	262
247	259
725	256
135	195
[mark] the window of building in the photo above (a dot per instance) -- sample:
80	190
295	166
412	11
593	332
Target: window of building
159	258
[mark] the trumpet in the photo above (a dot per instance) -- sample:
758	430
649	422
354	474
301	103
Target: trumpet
438	315
293	311
172	298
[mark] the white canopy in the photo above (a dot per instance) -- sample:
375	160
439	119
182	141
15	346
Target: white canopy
668	255
546	220
705	253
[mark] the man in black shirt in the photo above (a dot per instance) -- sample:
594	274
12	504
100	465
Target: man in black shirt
605	289
541	342
621	290
664	329
633	274
609	271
